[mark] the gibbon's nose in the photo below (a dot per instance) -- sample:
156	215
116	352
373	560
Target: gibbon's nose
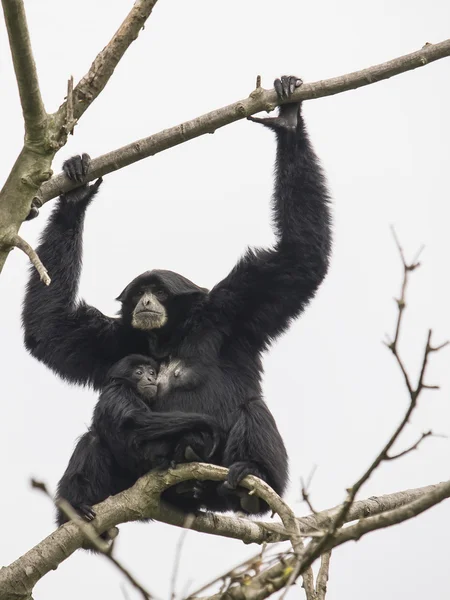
146	301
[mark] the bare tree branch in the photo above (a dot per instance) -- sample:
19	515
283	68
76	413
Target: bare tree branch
34	114
411	448
316	548
364	508
20	243
46	134
322	576
92	84
276	577
91	535
70	120
238	572
290	523
279	576
142	501
393	517
258	100
189	519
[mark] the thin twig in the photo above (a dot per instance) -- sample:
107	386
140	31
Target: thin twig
176	565
252	563
258	100
322	576
290	523
274	578
104	64
70	120
18	242
316	547
142	501
305	489
411	448
413	392
90	534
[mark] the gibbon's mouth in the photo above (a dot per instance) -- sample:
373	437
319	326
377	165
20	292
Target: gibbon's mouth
146	311
150	385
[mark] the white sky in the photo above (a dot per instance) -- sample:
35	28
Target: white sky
334	389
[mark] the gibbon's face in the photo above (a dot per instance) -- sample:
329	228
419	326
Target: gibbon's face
144	377
150	310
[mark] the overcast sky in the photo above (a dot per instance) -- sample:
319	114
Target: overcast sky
334	389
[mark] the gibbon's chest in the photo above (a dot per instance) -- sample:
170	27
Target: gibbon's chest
178	374
211	386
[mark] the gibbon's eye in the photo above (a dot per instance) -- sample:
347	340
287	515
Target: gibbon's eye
139	372
161	295
152	372
137	296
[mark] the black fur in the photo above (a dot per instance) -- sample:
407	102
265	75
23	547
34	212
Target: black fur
126	439
218	336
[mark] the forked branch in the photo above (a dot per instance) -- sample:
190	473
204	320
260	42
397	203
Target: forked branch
46	134
91	85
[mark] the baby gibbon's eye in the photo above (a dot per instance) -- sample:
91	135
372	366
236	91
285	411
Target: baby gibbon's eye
138	372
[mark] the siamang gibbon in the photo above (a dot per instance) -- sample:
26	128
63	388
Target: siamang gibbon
210	342
127	438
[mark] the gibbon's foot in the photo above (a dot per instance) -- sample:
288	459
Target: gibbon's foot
108	536
190	489
236	473
196	447
288	115
163	463
34	209
86	511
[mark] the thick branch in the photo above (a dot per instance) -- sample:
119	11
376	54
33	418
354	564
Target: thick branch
440	492
33	109
258	100
365	508
142	501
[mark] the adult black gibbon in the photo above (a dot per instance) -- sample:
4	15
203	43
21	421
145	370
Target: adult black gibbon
210	342
126	438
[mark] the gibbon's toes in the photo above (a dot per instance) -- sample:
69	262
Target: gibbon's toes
86	511
237	472
34	212
250	504
190	455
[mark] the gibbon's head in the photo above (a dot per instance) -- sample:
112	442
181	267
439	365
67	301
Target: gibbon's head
156	298
140	372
